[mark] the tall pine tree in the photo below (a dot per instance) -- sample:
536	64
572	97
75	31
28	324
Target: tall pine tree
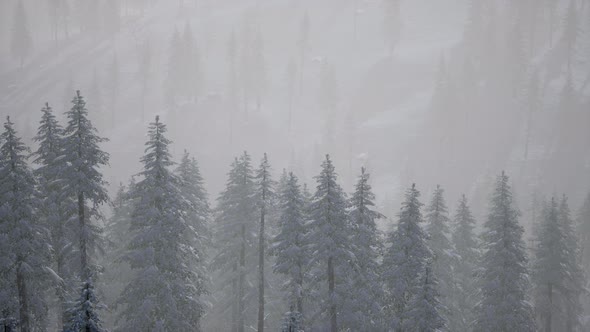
265	192
84	184
404	260
329	242
165	293
24	245
465	266
439	241
236	235
505	276
291	250
54	208
366	291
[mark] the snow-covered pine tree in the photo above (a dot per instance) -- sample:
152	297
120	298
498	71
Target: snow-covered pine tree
575	283
403	261
236	235
192	188
465	266
584	231
84	313
290	248
54	209
164	294
329	241
548	273
265	195
504	277
84	184
24	246
439	241
366	292
424	309
83	181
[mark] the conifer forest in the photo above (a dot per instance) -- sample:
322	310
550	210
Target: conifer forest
294	165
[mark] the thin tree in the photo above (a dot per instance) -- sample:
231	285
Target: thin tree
329	239
291	250
265	191
21	43
404	260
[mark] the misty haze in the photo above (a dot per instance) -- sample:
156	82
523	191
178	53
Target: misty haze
294	165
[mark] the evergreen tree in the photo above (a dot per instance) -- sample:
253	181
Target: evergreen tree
166	291
439	241
290	247
548	272
403	261
265	192
366	292
465	266
84	316
575	282
236	235
424	309
329	241
54	208
24	246
21	43
504	278
84	184
192	187
584	231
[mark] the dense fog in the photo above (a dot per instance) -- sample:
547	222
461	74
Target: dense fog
199	164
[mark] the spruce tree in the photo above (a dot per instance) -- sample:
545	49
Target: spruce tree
265	192
329	242
236	235
403	261
505	276
439	241
84	312
54	208
166	292
465	266
584	231
83	181
366	291
548	272
84	184
192	188
424	309
575	282
291	249
24	246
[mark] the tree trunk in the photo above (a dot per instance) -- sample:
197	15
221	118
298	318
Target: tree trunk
23	301
81	218
261	271
548	317
333	318
241	281
234	306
